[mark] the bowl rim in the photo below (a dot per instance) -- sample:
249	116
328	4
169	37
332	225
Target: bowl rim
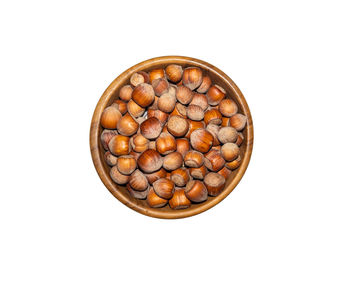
95	139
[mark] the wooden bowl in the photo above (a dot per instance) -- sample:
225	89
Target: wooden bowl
111	93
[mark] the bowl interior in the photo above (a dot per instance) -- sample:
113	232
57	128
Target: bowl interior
111	93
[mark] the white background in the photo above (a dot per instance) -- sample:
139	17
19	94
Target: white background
286	222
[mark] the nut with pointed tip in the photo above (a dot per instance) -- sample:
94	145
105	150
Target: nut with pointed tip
179	200
174	72
127	125
177	125
151	128
215	95
204	87
194	159
106	136
126	164
110	117
160	86
234	164
200	100
195	112
166	102
154	201
110	159
214	130
139	143
165	143
150	161
225	172
214	183
164	188
161	115
118	177
125	93
155	74
182	146
196	191
192	126
198	173
184	95
137	79
213	116
228	107
201	140
119	145
134	109
120	105
214	161
172	161
138	181
156	175
180	176
192	77
137	194
229	151
227	134
238	121
143	95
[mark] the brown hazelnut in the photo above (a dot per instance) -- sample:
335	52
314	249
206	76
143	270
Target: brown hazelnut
228	107
125	93
139	143
180	176
165	143
134	109
136	155
138	181
127	125
177	125
192	77
143	95
201	140
126	164
238	121
151	128
184	95
160	86
155	74
234	164
204	87
225	121
182	146
137	194
174	72
164	188
118	177
196	191
179	200
137	79
214	183
179	110
166	102
119	145
225	172
200	100
214	130
240	139
150	161
198	173
192	126
227	134
161	115
194	159
106	136
110	117
213	116
215	95
156	175
195	112
110	159
229	151
214	161
120	105
154	201
172	161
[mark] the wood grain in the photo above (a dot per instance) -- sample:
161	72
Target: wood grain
111	93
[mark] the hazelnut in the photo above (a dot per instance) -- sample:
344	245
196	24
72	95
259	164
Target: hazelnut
214	183
195	112
225	121
136	155
180	176
240	139
151	128
143	95
200	100
234	164
155	74
201	140
110	159
214	130
106	136
228	107
134	109
172	161
118	177
182	146
139	143
137	194
196	191
138	181
120	105
127	125
154	201
160	86
164	188
165	143
192	77
174	72
126	164
229	151
184	95
179	200
213	116
225	172
125	93
166	102
204	87
137	79
119	145
214	161
179	110
194	159
177	125
227	134
162	116
198	173
193	125
110	117
238	121
215	95
150	161
156	175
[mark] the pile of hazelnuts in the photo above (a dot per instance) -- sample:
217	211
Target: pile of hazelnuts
172	137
